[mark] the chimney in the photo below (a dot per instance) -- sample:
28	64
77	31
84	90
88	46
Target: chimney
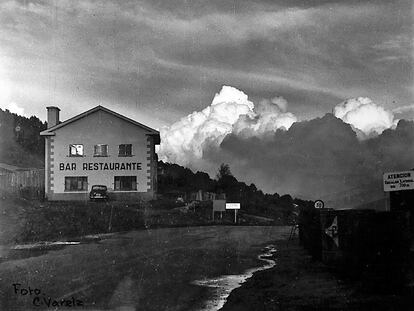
52	116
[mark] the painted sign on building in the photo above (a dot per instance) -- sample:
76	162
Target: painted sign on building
102	166
397	181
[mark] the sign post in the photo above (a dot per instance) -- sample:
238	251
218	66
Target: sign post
397	181
219	206
332	231
319	204
234	206
400	186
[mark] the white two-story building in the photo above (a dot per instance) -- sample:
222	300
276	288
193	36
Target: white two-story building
99	147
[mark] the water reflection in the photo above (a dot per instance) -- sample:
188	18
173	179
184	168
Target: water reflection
31	250
222	286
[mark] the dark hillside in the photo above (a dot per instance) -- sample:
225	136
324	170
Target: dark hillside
20	142
175	180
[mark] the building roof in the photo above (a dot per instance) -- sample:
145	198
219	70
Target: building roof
50	131
8	167
11	168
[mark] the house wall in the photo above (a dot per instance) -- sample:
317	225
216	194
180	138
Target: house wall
100	127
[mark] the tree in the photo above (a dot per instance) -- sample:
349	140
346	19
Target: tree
227	183
286	201
224	170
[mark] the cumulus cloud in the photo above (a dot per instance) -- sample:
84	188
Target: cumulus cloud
270	115
365	116
183	141
339	157
319	159
230	112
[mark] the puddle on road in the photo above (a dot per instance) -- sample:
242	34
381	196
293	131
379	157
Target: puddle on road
44	245
32	250
222	286
23	251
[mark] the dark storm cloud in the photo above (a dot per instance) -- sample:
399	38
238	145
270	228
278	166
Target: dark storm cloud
320	158
172	56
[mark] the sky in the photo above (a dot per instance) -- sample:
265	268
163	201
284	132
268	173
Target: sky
298	96
158	61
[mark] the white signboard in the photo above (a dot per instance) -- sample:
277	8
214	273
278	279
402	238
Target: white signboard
232	205
397	181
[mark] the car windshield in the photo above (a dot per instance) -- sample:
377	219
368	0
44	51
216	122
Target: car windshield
98	187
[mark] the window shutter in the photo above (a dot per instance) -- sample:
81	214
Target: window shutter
67	184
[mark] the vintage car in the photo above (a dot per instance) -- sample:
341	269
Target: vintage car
98	192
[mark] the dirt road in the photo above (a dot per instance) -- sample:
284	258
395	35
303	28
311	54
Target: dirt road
298	282
141	270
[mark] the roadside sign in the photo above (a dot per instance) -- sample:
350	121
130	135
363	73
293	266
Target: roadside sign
235	207
219	205
319	204
397	181
232	205
332	231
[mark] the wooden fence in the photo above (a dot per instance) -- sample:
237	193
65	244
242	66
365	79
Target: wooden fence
28	184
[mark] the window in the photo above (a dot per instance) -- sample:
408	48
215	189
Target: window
76	150
125	183
100	150
99	187
125	150
76	183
